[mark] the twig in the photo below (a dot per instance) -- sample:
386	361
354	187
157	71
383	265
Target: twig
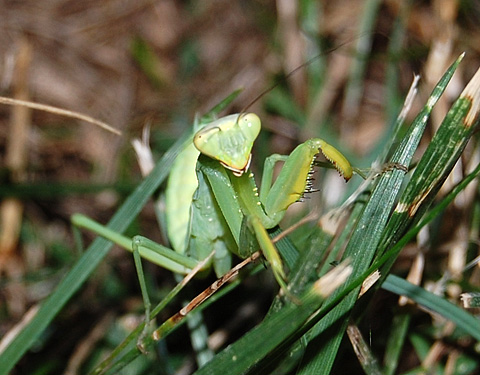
59	111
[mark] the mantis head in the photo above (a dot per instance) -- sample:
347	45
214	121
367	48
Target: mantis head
229	140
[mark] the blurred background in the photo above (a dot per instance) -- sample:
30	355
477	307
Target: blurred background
132	63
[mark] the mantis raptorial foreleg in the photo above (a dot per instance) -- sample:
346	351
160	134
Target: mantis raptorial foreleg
264	210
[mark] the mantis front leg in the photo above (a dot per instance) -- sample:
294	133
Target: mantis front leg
265	210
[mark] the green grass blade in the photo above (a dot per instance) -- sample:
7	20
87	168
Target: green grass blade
437	210
396	341
402	318
437	162
286	248
256	344
334	253
465	321
361	249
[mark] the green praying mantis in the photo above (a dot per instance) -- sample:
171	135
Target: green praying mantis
213	203
211	200
229	141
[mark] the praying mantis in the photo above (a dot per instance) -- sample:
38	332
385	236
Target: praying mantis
210	200
213	205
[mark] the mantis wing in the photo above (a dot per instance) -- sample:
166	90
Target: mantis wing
182	183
